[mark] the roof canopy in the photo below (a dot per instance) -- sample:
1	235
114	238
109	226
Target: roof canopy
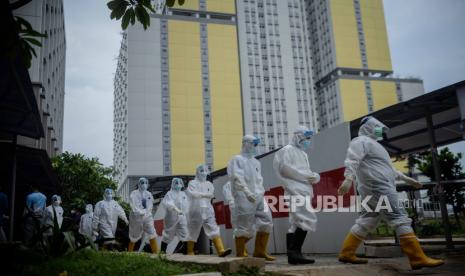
408	120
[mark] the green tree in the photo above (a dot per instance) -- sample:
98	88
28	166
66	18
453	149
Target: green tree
83	180
450	169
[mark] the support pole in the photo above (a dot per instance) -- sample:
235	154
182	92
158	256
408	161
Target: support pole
439	185
13	191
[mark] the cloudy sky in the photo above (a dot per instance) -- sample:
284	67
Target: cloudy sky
426	39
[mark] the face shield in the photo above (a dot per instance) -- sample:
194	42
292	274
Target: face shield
202	172
108	194
56	200
302	137
177	184
89	208
250	144
143	184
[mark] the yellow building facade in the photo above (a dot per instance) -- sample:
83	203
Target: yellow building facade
354	60
206	123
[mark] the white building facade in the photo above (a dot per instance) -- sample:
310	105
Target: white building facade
47	71
276	73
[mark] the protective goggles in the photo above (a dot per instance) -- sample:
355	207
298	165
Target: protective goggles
308	133
256	142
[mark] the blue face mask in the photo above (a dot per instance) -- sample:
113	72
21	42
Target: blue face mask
178	187
305	144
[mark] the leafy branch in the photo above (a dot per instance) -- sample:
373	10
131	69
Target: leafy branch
131	10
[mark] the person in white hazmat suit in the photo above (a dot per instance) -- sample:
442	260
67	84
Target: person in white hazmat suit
141	218
369	165
85	224
293	169
201	214
175	222
50	215
106	214
244	173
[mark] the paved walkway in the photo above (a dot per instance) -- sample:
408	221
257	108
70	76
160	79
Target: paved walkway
328	265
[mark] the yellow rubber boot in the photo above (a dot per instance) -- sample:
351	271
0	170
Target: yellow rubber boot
246	253
131	246
153	245
411	247
190	248
220	248
347	254
240	246
261	244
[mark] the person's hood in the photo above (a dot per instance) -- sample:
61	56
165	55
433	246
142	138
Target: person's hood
198	174
368	125
248	148
174	181
301	132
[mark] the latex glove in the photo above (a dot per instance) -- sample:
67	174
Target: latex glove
251	197
127	222
206	195
95	233
345	186
314	178
178	211
232	205
412	182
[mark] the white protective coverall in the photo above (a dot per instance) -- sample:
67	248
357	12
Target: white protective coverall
370	165
200	192
56	201
244	173
293	169
106	215
85	225
176	206
140	218
229	199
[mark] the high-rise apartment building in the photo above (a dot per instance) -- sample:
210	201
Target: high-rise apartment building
351	60
47	71
276	69
177	93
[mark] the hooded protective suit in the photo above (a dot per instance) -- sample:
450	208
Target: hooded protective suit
244	173
292	167
229	199
176	206
140	218
85	225
201	213
106	215
370	165
56	202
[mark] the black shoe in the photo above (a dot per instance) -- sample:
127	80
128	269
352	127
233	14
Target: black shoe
294	245
163	247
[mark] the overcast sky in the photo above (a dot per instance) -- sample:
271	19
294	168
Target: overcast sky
426	39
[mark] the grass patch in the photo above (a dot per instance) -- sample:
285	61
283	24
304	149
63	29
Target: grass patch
89	262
